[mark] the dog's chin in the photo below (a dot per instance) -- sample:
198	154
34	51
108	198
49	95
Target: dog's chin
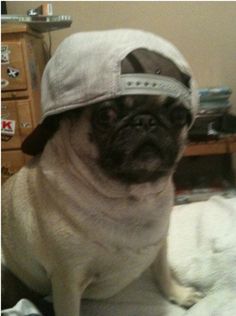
139	172
141	165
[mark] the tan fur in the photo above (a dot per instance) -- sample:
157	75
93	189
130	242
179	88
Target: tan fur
68	228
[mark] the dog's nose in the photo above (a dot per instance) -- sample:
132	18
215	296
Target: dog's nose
144	122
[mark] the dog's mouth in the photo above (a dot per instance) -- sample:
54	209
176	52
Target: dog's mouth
148	150
139	157
145	161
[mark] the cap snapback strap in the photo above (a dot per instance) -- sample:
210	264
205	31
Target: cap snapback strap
151	84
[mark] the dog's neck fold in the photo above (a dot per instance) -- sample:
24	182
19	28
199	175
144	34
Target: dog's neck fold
86	170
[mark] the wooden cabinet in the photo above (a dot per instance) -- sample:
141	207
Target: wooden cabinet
12	161
15	61
22	64
18	111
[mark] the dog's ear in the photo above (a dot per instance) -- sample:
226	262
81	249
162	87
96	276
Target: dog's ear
34	144
36	141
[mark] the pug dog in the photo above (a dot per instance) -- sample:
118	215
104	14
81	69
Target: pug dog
90	212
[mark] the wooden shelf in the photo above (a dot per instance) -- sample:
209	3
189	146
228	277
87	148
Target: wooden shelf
12	28
225	145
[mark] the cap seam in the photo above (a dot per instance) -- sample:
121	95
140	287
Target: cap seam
59	80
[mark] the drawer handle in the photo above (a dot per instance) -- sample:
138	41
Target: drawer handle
5	138
25	125
5	116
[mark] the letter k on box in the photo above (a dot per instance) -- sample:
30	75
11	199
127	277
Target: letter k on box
8	127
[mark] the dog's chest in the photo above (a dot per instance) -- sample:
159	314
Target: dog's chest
111	241
115	268
123	255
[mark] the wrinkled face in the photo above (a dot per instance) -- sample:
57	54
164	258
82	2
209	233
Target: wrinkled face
134	139
139	138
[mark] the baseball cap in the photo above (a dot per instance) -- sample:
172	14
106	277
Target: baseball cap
86	69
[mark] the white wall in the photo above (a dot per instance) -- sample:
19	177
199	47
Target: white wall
205	32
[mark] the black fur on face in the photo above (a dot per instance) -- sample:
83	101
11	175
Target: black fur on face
138	137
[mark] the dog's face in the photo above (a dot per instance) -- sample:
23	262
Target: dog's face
139	138
133	139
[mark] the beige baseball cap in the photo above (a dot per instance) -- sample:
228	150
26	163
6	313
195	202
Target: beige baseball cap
86	69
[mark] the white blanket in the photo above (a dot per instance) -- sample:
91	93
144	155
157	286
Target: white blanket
202	253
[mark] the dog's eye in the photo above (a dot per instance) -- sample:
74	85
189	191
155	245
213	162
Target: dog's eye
180	116
106	116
